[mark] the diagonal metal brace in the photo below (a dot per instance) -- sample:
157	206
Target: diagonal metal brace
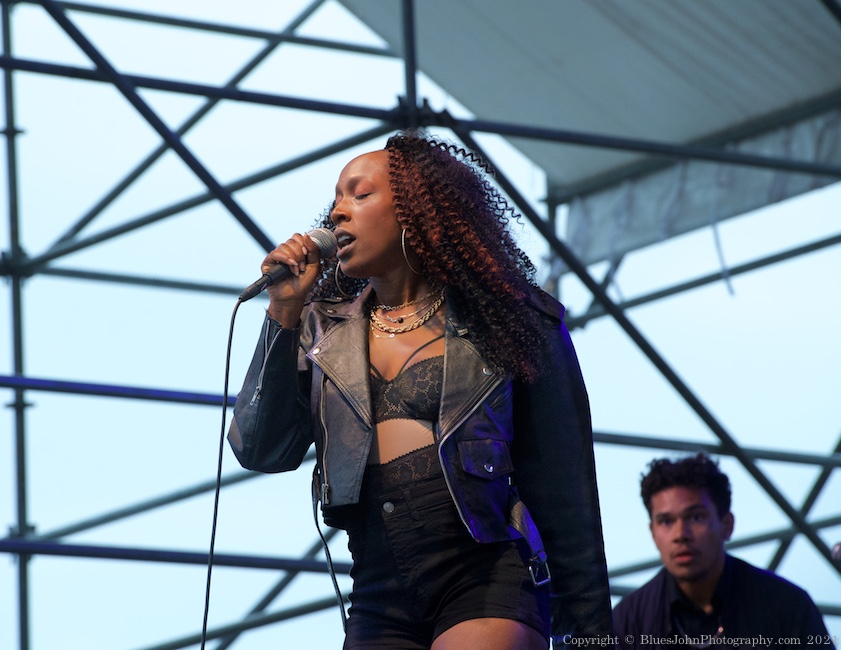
175	143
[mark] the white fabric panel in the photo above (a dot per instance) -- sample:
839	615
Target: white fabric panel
659	70
695	194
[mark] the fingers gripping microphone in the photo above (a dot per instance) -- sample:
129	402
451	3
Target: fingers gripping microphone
327	246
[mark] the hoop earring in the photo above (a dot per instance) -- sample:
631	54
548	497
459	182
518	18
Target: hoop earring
338	285
405	256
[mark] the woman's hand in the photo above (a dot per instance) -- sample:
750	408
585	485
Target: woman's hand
287	295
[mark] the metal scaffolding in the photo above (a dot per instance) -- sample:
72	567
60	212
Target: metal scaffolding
25	543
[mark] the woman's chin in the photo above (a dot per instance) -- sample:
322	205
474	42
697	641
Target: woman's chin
350	270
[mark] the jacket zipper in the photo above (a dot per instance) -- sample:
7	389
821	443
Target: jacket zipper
325	486
256	396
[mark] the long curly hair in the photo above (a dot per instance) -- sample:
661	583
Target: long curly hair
457	223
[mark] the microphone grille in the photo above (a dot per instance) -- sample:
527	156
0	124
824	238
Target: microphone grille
325	240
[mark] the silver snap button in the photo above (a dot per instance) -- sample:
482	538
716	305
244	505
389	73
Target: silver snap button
388	506
316	350
331	311
488	468
487	371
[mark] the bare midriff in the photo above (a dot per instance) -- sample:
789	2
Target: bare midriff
397	437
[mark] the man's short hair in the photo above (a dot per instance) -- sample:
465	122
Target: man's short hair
698	471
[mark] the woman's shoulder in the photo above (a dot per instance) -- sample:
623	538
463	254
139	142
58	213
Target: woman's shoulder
323	313
327	305
546	304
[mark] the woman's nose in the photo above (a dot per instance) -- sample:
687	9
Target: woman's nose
338	214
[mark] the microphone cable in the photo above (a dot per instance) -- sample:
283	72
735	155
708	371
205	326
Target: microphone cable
326	243
218	476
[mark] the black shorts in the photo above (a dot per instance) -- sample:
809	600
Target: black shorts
416	569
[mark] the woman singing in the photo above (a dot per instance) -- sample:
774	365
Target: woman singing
443	395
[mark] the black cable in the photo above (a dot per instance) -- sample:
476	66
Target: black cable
329	557
218	477
218	490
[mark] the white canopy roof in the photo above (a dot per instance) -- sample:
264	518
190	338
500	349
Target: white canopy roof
759	76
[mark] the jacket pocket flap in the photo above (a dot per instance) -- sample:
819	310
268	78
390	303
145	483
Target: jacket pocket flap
487	459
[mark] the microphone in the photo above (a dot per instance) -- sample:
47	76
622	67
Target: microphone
836	553
327	247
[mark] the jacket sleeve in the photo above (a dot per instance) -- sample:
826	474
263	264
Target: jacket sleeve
271	426
556	478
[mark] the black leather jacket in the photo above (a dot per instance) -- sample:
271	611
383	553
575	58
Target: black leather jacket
310	385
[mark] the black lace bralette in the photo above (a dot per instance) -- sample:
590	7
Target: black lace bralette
414	393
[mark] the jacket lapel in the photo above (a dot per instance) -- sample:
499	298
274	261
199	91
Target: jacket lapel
468	379
342	354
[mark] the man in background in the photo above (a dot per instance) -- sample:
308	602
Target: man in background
704	597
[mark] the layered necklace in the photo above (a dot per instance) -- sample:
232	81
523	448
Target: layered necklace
426	307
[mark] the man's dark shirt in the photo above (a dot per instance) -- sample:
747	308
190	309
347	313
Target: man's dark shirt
690	621
748	603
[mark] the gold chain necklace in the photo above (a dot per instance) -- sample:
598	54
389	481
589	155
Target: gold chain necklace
420	306
378	324
402	305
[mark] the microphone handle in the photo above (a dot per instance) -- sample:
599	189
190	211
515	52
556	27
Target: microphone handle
276	272
323	238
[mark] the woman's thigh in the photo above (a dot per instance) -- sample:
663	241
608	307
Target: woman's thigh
491	634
